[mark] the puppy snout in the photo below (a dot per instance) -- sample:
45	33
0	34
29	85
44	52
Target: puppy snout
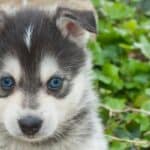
30	125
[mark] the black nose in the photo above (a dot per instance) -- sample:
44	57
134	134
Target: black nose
30	125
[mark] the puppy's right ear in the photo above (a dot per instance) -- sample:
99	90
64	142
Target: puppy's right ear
76	24
3	17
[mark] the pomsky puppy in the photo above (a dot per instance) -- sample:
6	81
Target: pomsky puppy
46	97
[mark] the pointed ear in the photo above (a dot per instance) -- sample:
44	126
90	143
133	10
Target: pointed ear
76	24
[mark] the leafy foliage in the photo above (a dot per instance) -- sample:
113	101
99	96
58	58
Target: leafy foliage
121	56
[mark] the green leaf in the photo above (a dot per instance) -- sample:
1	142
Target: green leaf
131	25
115	103
99	76
122	70
140	99
96	51
144	46
112	72
96	2
118	10
145	123
147	91
119	146
146	105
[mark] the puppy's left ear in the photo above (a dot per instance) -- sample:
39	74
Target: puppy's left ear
76	24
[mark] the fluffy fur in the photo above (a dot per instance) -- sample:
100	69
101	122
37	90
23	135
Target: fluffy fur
33	48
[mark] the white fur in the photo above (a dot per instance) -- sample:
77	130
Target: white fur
52	111
12	67
12	113
56	111
28	36
48	67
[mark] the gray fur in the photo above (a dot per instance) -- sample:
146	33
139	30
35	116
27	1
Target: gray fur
81	128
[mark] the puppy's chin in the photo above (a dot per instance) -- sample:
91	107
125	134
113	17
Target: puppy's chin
38	138
33	139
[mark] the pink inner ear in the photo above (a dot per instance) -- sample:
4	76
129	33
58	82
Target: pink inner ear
71	26
73	29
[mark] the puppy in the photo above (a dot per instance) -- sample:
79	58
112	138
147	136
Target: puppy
46	97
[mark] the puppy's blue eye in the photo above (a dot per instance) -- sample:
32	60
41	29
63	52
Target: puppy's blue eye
55	83
7	83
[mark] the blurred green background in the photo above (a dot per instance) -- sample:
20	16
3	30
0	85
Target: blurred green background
121	55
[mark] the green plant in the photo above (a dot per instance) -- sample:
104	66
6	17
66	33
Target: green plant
121	55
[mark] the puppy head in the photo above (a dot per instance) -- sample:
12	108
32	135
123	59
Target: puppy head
42	70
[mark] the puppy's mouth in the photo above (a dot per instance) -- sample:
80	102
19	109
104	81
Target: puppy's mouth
34	129
55	137
32	138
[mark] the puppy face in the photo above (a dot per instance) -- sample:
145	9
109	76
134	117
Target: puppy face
42	78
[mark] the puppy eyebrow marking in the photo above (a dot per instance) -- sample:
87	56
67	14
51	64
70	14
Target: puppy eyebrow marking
28	36
8	67
48	67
